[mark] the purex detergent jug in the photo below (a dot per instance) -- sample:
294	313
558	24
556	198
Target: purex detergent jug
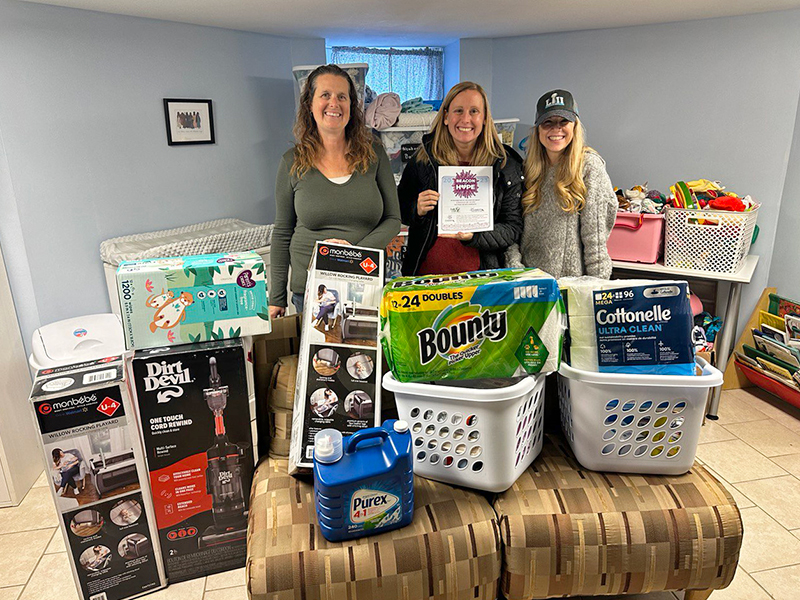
364	483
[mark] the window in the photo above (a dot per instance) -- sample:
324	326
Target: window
408	72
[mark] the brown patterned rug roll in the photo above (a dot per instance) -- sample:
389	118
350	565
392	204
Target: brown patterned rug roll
567	531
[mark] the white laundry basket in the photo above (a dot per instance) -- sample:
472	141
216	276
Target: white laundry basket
480	434
634	423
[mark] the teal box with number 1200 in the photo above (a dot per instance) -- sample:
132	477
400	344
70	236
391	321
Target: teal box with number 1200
190	299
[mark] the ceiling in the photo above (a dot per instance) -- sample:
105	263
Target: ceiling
419	22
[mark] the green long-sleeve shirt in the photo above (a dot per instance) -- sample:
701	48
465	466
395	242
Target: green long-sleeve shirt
364	211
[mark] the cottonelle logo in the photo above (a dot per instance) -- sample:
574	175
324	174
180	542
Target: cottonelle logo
166	379
458	332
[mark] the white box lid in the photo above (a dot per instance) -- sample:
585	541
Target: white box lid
77	340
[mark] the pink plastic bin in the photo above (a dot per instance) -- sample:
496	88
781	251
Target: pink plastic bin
636	237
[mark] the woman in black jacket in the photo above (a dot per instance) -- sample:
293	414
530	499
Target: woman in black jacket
462	134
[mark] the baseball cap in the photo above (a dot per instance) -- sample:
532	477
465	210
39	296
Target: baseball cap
556	103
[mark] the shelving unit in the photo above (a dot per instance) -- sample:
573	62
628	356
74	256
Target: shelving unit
729	296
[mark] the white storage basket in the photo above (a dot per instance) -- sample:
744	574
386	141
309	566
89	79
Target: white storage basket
634	423
708	240
478	437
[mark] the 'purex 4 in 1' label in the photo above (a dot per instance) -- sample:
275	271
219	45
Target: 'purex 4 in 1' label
372	509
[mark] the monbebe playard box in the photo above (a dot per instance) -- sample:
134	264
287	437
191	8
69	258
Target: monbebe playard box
194	416
189	299
339	367
91	445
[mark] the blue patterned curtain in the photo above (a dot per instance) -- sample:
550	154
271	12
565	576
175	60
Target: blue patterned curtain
408	72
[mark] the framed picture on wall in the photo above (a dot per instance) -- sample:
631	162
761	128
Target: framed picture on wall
188	121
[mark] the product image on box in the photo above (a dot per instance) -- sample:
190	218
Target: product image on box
501	323
226	468
192	299
194	410
338	373
95	467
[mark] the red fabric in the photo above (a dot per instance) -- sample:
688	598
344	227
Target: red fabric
448	255
727	203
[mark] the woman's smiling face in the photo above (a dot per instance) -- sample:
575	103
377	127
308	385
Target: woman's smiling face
331	103
555	134
464	118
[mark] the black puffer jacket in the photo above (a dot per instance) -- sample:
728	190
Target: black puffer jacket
422	231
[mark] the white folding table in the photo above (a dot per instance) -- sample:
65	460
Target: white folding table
729	295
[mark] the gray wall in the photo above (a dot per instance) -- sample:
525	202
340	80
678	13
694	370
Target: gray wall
476	65
714	98
451	65
784	273
83	152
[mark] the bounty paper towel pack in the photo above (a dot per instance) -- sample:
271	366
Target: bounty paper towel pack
629	326
189	299
500	323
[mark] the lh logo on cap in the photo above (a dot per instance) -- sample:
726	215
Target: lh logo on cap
555	100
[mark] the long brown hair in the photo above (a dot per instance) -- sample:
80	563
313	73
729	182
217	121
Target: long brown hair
488	147
359	151
570	188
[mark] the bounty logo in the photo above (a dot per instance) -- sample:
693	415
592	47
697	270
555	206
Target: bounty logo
458	332
367	504
166	379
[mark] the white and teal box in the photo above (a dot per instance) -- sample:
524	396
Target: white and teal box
191	299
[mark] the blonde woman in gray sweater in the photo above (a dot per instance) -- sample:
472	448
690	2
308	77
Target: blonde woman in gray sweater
569	204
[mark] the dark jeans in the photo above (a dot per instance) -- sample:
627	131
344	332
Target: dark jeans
66	476
297	300
324	311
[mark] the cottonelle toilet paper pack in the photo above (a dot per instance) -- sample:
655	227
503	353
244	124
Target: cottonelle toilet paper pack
629	326
498	323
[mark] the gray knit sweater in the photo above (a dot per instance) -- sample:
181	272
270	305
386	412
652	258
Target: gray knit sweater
570	244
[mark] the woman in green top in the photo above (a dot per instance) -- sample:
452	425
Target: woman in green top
335	185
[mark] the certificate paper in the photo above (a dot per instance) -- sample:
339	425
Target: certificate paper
465	199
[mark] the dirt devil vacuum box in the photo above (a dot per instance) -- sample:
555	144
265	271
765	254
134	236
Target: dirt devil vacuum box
195	420
95	470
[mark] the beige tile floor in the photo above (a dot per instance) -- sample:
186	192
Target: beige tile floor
754	449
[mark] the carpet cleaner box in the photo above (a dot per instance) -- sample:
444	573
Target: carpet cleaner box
339	368
195	420
482	324
94	464
189	299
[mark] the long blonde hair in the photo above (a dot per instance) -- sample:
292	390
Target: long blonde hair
570	188
488	147
359	151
